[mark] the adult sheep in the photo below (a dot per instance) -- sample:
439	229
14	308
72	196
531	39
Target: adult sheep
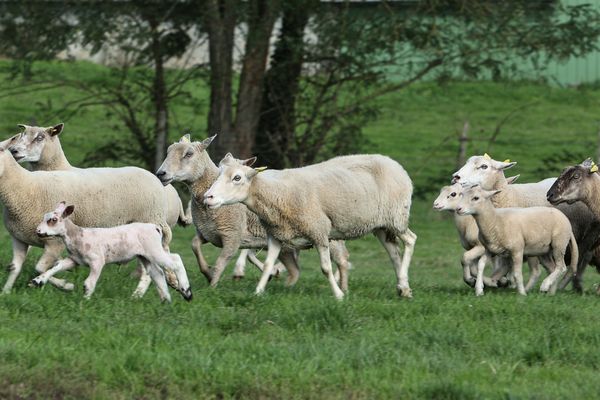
27	195
41	148
339	199
229	228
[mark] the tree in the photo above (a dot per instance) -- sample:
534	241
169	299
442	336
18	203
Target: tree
237	131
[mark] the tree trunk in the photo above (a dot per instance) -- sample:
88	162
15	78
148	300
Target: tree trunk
262	16
161	112
220	21
276	128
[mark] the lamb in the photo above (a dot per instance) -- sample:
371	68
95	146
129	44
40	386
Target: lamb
41	148
99	246
469	237
90	189
489	174
544	232
339	199
232	227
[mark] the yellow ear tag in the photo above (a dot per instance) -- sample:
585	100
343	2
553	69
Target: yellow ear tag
185	139
594	168
487	157
260	169
507	160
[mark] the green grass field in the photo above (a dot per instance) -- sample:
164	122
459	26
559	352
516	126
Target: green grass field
299	342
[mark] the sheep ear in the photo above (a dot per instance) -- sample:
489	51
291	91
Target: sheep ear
68	211
502	165
22	126
185	138
55	130
60	207
491	193
206	142
512	179
249	162
228	159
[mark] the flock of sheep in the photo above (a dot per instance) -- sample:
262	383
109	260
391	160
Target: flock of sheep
113	215
554	222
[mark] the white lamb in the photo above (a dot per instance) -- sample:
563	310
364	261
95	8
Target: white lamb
98	246
512	233
343	198
468	232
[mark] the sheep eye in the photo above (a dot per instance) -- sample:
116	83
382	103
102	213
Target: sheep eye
576	176
484	166
476	198
39	138
54	219
453	194
188	154
237	178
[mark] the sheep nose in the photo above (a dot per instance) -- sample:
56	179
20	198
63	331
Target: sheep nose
160	173
455	178
14	151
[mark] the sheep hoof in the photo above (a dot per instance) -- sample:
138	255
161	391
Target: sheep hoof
36	282
187	294
405	292
69	287
470	282
10	267
479	293
503	282
238	277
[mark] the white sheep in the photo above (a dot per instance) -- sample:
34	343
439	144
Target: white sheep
489	174
342	198
229	228
127	195
512	233
97	247
41	148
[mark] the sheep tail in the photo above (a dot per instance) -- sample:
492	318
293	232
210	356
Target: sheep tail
574	253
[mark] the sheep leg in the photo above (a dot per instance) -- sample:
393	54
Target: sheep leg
158	277
468	259
409	239
240	264
273	250
90	283
173	263
144	282
51	254
230	247
258	264
62	265
197	242
534	267
517	260
548	284
340	256
501	268
19	254
582	263
480	268
326	268
289	260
